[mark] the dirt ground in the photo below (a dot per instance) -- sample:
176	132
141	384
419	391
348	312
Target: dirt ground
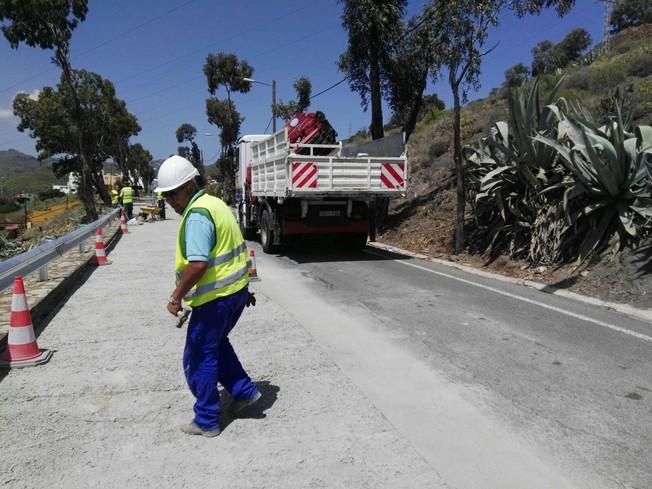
425	223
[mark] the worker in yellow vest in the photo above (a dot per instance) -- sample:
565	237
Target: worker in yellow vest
127	198
115	198
212	271
160	201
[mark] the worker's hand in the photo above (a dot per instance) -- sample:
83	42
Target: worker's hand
174	308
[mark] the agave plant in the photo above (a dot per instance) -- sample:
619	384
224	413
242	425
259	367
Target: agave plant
607	195
507	170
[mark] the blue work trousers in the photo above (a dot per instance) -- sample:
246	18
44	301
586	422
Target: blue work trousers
209	357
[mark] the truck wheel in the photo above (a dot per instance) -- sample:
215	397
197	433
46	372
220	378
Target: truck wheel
266	233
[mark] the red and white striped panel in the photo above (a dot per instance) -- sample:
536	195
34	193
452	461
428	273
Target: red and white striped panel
392	175
304	175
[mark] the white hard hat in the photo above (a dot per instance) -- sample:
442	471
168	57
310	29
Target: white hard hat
174	172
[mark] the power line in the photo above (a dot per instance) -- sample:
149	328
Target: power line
109	41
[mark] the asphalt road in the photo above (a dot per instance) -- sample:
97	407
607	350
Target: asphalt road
538	387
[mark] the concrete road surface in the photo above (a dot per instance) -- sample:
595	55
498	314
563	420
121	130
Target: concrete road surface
375	374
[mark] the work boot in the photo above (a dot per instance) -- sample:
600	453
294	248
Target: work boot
240	404
194	429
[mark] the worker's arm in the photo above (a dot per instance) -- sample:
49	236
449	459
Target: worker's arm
190	277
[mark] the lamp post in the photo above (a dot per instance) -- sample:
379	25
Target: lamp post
273	85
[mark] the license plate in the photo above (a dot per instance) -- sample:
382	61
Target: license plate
329	213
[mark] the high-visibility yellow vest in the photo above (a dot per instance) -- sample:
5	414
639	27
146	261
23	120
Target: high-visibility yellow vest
228	268
114	196
127	194
159	195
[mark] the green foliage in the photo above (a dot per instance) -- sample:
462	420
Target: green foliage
304	89
608	74
579	79
230	72
8	205
225	69
630	13
47	24
640	65
29	181
372	27
548	57
50	194
186	132
516	76
551	185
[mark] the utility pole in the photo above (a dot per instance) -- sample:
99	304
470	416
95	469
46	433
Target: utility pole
273	106
609	6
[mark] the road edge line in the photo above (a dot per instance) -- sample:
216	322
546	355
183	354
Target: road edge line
642	314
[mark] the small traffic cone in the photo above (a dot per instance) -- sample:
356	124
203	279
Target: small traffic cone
100	255
253	273
22	350
123	223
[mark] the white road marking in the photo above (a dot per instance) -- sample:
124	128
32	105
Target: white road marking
581	317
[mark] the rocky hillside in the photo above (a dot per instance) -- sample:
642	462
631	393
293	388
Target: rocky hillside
424	222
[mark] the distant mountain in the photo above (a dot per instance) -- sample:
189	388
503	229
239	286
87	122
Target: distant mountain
13	161
24	173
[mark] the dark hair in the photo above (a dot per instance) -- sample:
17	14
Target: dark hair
200	181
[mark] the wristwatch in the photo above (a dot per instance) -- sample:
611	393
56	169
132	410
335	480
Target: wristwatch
173	301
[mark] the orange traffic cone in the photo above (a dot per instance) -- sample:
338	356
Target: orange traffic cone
123	223
253	273
100	255
22	350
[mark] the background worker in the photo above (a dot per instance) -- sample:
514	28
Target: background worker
212	278
160	201
115	198
127	198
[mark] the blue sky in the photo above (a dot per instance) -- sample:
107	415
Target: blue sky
154	50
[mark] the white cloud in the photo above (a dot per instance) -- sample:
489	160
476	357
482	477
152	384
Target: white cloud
6	113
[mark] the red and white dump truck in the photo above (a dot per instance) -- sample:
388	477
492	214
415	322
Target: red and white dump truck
288	186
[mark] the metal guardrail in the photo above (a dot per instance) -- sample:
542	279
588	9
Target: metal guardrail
40	256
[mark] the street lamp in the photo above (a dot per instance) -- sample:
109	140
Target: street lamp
273	85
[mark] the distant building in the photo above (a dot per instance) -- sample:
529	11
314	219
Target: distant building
62	188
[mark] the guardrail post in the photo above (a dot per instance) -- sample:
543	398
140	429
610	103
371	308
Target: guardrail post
43	274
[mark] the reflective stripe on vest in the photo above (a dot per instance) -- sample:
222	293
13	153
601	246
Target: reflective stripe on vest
228	268
224	258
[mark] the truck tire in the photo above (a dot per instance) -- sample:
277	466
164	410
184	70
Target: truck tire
266	233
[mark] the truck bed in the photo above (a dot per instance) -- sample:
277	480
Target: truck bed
279	171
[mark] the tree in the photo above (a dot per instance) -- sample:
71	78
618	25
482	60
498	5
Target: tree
187	132
516	76
630	13
522	7
461	29
372	26
303	88
413	60
138	160
548	57
226	70
572	47
48	24
105	124
543	58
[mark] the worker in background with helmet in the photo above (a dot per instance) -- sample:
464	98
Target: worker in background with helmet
212	278
127	198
